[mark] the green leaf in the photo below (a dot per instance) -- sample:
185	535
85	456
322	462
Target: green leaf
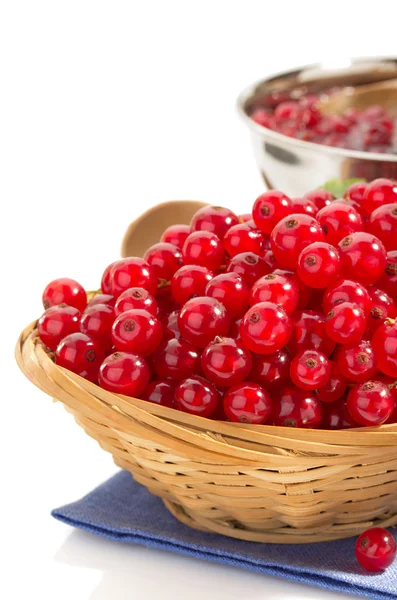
338	187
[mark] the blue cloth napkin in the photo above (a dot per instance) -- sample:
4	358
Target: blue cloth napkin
121	509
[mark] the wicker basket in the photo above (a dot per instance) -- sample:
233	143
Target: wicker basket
252	482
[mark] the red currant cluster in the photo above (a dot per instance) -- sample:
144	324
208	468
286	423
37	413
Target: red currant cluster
372	129
283	316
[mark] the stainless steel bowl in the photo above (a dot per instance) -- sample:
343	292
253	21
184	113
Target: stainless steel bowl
296	166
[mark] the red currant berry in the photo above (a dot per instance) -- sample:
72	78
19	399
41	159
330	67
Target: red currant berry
379	192
80	354
265	328
363	257
348	421
189	282
347	291
339	220
336	416
202	319
102	299
97	322
249	266
176	359
388	281
124	373
245	217
318	265
383	224
392	420
231	290
303	206
334	388
277	289
376	549
356	207
170	326
132	272
352	115
271	370
370	403
309	101
356	192
316	300
308	333
164	259
243	238
165	301
135	298
214	219
136	331
176	235
226	362
296	408
219	414
305	293
288	111
384	344
56	323
196	396
291	235
356	362
310	116
345	323
234	331
391	383
247	403
382	307
266	241
373	113
270	260
106	283
320	198
160	391
203	248
224	266
65	291
336	126
269	208
310	370
339	125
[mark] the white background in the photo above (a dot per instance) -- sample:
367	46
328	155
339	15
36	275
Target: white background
105	109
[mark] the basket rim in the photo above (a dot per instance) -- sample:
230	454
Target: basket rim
28	344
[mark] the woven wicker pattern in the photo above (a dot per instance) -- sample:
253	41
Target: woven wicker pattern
253	482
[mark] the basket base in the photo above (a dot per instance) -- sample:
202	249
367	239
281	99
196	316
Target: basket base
287	536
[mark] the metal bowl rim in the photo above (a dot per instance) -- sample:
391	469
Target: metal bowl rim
248	93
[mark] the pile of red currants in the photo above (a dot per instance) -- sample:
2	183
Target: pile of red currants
284	316
372	129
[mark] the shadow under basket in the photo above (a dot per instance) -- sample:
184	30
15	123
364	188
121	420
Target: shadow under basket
252	482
